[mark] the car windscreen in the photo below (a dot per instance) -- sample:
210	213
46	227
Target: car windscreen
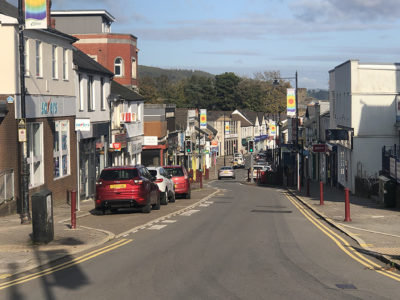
123	174
174	171
226	168
153	173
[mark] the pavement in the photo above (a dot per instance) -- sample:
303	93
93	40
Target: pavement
373	226
18	253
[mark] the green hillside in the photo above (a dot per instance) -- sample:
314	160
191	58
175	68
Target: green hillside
173	75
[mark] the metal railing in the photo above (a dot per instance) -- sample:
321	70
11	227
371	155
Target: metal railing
6	186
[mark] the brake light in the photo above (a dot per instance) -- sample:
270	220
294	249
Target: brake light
138	181
159	180
99	182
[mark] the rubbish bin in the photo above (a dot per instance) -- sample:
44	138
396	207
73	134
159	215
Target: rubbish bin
42	217
387	191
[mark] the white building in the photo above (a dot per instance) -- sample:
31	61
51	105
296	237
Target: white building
363	101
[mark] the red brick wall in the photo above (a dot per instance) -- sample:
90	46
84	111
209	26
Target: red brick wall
9	153
158	129
107	52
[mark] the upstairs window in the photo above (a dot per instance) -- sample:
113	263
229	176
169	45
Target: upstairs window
54	62
118	66
26	56
90	98
65	64
39	60
102	94
134	73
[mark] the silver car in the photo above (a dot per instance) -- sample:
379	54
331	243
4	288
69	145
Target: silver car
226	172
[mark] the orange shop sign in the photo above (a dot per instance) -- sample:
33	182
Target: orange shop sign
116	146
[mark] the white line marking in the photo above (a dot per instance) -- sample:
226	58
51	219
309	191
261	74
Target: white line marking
190	212
204	205
157	227
377	217
169	221
169	215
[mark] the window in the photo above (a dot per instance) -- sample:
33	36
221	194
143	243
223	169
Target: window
81	106
65	64
54	62
26	56
61	153
134	68
102	94
118	67
35	154
90	93
39	66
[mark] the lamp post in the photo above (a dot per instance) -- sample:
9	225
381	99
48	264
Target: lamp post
298	154
224	140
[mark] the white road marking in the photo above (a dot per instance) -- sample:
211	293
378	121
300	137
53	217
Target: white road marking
189	212
157	227
204	205
169	221
375	217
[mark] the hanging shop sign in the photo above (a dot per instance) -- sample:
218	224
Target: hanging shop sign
336	134
35	14
82	124
291	102
203	119
227	128
319	148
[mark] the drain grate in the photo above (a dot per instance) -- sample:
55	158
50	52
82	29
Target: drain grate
271	211
345	286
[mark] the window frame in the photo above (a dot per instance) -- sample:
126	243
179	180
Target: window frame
133	68
120	65
26	56
65	63
60	152
90	93
35	180
39	58
80	91
102	94
54	62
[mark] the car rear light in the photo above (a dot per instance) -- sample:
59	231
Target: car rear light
159	180
138	181
99	182
186	177
98	201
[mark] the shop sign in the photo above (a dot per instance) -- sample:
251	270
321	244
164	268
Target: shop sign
82	124
45	106
319	148
10	99
116	146
150	140
121	138
21	131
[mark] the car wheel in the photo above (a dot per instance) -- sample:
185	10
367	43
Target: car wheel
172	198
164	198
146	209
157	205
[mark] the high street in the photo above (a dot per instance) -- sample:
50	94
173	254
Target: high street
243	242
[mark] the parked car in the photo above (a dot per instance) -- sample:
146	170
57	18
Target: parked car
165	184
181	179
258	168
238	163
126	187
226	172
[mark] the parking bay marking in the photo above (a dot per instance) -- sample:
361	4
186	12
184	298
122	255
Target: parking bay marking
189	212
157	227
169	221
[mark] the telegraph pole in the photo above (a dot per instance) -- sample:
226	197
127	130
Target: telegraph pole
24	183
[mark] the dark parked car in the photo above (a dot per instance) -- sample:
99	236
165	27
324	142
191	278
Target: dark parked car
181	179
126	187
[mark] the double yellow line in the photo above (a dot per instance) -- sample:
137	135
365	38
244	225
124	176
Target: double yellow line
65	265
342	243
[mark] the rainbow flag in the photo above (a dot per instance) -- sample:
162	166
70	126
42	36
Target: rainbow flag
35	14
291	102
272	129
203	118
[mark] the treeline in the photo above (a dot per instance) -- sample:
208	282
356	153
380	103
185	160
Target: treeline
226	91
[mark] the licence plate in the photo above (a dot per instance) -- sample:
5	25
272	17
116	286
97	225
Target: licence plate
226	172
117	186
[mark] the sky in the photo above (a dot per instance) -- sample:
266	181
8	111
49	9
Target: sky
249	36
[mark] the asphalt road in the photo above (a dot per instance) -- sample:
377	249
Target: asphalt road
246	242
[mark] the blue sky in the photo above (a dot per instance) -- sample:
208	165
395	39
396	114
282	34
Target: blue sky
248	36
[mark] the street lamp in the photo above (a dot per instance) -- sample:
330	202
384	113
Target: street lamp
276	82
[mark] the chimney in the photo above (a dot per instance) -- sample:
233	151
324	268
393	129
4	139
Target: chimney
48	11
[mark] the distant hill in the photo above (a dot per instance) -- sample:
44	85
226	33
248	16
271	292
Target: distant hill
318	94
173	75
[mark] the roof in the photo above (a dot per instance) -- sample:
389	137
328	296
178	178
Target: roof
86	63
122	92
8	9
94	12
214	115
181	115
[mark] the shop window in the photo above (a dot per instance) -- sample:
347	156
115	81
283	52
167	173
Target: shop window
35	154
61	151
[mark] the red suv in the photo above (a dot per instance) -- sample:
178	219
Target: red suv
126	187
180	177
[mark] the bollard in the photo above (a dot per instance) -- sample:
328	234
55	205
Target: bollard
73	209
346	206
321	193
308	187
201	179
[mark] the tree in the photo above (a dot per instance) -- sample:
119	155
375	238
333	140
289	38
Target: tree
226	91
